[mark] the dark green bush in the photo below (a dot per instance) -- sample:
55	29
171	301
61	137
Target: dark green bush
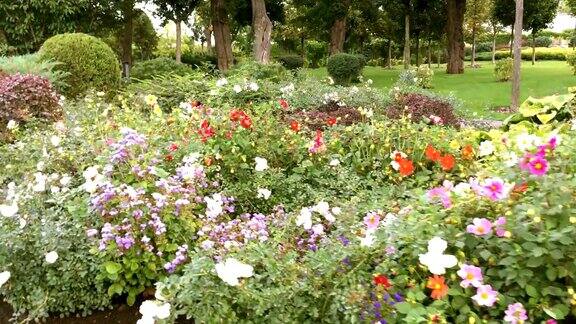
291	62
198	59
483	47
344	68
542	54
159	66
88	60
543	41
315	53
274	72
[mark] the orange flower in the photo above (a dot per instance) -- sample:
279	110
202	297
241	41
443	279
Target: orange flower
438	286
331	121
295	126
447	162
432	154
406	167
468	152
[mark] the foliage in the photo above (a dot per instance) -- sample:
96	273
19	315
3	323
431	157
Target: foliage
543	41
91	63
542	54
551	109
422	108
145	70
483	47
145	39
198	59
292	62
274	72
571	59
421	77
344	68
31	64
503	69
315	52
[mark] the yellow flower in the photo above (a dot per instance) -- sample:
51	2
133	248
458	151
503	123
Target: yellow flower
530	212
573	220
151	100
157	111
537	219
454	145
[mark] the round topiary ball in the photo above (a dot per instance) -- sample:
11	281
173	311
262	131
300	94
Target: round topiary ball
344	68
91	63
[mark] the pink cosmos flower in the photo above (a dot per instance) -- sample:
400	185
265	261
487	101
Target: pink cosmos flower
515	314
485	296
553	141
495	189
371	221
500	223
441	194
538	166
480	227
470	275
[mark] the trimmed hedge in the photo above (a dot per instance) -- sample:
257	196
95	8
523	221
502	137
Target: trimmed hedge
542	54
159	66
291	62
345	68
90	62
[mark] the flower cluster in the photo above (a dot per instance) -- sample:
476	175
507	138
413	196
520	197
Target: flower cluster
239	116
446	161
317	145
401	163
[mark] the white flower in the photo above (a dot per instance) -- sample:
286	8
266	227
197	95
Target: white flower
39	182
330	80
12	124
323	209
151	100
214	205
264	193
525	141
369	81
389	219
462	189
318	229
65	180
51	257
54	189
186	106
305	218
4	276
221	82
9	210
368	240
93	179
287	89
336	210
261	164
55	140
237	88
231	269
486	148
334	162
435	260
253	86
153	309
511	159
40	166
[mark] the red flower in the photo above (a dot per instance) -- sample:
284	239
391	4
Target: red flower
169	157
520	188
382	280
295	125
283	103
406	167
229	134
235	115
447	162
246	122
331	121
432	154
173	147
206	131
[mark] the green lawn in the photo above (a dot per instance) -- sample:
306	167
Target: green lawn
477	88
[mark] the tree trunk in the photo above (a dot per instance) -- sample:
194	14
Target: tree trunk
406	42
208	36
178	41
262	27
389	54
337	36
455	29
429	53
473	61
533	47
517	54
222	36
417	49
128	14
494	47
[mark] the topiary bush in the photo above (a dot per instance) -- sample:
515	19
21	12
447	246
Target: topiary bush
145	70
291	62
503	69
26	96
344	68
419	107
90	62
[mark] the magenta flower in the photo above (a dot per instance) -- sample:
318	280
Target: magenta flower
485	296
480	227
470	275
515	314
495	189
440	193
538	166
500	223
372	220
553	141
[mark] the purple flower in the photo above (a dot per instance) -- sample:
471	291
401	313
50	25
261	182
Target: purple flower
515	314
495	189
485	296
500	223
538	166
470	275
480	227
372	220
441	194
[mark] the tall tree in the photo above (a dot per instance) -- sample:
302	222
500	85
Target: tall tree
177	11
495	28
338	29
262	27
455	32
477	13
519	12
222	36
537	15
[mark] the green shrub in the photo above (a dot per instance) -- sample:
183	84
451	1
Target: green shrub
545	110
543	41
344	68
88	60
198	59
483	47
291	62
145	70
274	72
31	64
377	62
571	59
315	53
503	69
421	77
542	54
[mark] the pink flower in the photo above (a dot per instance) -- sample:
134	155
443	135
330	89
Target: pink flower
538	166
553	141
495	189
470	275
485	296
515	314
500	223
372	220
481	227
441	194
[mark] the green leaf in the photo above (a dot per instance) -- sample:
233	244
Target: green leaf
551	274
115	289
531	291
112	267
403	308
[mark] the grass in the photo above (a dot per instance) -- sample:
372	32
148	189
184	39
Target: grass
478	90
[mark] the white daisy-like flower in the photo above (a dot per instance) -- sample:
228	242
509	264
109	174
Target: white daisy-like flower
51	257
304	219
435	260
486	148
264	193
231	270
261	164
4	276
237	88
